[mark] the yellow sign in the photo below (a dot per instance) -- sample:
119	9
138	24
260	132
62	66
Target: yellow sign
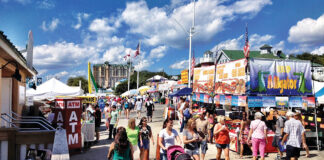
310	118
319	119
184	76
88	99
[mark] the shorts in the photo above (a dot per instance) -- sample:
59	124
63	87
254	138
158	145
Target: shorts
222	146
146	144
135	147
292	152
203	147
192	152
119	110
97	129
275	142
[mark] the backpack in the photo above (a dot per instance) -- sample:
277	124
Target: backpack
186	113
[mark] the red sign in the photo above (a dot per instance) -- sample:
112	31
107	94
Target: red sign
68	115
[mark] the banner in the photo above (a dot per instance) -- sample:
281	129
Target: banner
308	102
282	101
235	100
230	78
269	101
280	77
206	98
194	96
222	99
201	97
184	76
203	79
241	100
228	100
255	101
217	99
295	102
88	99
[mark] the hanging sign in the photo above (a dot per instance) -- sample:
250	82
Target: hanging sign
230	78
201	97
269	101
203	79
254	101
194	96
295	102
308	102
282	101
228	100
280	77
241	100
184	76
217	99
234	101
222	99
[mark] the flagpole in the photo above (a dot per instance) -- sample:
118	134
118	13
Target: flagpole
191	32
139	50
129	71
89	79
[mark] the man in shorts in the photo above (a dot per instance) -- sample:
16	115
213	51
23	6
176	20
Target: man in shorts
138	108
278	132
294	134
202	128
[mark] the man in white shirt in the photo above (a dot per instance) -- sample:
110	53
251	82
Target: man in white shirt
138	108
294	134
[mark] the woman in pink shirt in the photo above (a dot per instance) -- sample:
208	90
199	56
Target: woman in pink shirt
258	132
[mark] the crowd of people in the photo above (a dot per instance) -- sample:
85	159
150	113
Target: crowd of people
197	130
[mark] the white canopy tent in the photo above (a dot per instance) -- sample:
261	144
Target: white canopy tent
130	93
156	78
52	88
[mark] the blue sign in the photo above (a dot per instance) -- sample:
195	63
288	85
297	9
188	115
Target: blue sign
269	101
295	102
201	97
280	77
39	81
235	100
222	99
255	101
194	96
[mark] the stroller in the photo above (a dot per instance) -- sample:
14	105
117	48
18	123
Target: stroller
177	153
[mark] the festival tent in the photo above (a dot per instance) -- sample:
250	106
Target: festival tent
319	92
156	78
182	92
143	89
130	93
52	88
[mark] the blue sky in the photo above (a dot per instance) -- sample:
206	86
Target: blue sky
68	34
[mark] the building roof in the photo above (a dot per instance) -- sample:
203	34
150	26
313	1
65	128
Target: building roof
239	54
12	46
265	46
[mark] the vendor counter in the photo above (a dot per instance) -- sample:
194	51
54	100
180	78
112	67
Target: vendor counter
88	132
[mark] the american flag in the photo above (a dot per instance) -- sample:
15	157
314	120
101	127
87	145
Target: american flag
137	52
193	63
246	47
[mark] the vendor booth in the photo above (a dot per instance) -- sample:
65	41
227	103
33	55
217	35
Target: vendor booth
171	110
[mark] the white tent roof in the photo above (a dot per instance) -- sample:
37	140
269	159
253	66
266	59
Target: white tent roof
52	88
156	78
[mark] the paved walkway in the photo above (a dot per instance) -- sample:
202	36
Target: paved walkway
99	151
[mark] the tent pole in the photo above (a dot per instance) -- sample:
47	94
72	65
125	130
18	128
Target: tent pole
315	113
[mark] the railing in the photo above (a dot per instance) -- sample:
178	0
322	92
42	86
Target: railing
13	121
16	139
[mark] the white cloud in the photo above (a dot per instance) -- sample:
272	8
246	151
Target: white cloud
60	75
61	55
233	44
50	26
180	64
78	73
80	17
158	52
307	31
279	46
41	72
318	51
143	64
255	42
102	26
158	26
46	4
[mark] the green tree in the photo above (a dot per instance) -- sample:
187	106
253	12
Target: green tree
74	81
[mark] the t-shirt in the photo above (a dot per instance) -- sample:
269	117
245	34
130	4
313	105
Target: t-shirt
97	118
114	103
145	133
168	140
138	105
119	106
190	136
182	106
132	135
114	116
126	104
202	126
295	130
258	127
279	124
223	136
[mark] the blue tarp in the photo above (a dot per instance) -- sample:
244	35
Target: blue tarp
181	92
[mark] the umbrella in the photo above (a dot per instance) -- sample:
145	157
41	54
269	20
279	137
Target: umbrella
143	89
